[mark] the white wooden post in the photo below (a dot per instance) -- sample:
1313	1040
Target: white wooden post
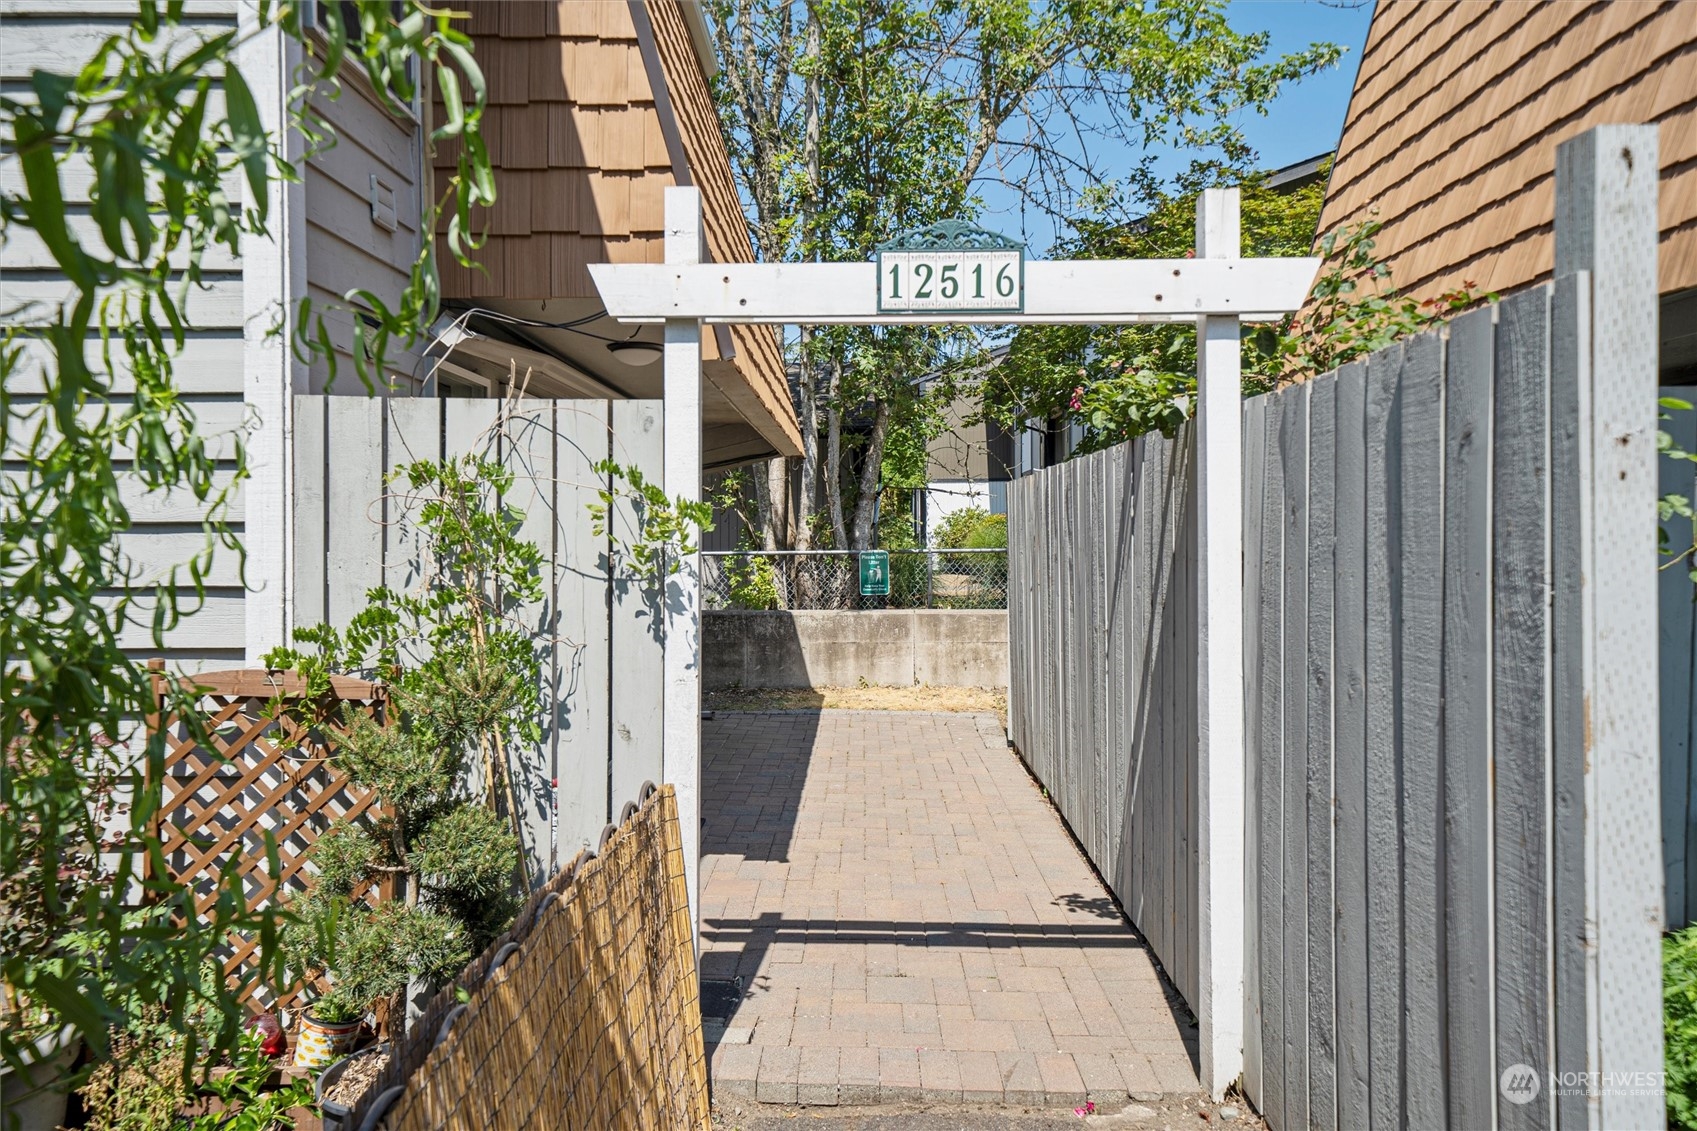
1606	224
1219	657
681	746
273	277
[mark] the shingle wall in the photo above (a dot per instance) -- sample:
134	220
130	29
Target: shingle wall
1452	131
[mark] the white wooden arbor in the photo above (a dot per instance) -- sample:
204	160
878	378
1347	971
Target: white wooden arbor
1218	290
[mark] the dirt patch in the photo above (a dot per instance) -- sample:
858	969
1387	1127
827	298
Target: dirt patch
969	699
1175	1112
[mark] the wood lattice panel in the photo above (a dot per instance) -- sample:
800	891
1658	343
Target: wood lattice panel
262	772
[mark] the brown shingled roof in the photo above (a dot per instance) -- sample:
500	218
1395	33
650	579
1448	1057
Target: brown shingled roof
1458	107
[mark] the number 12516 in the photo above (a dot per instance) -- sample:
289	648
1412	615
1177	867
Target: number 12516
949	280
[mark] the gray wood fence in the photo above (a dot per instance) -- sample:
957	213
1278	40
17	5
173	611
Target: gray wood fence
1453	874
1102	663
1415	742
598	631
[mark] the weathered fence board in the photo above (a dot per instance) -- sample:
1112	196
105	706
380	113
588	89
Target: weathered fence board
1322	488
1467	712
1383	820
1293	454
1254	577
1269	728
1569	468
594	627
636	620
1520	691
1349	735
1420	655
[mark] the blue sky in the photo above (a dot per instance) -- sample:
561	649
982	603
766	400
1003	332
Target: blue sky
1303	121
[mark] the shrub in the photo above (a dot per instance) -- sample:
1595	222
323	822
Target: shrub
1679	1025
958	527
990	534
753	581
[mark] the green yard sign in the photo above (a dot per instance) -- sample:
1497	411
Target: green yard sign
875	573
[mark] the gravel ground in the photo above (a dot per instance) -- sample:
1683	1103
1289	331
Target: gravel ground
860	699
1152	1113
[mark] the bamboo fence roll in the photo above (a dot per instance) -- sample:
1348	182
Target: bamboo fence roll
585	1015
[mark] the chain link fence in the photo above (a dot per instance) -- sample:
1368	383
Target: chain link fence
831	579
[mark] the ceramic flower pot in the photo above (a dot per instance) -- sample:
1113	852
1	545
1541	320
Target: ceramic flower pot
37	1100
323	1042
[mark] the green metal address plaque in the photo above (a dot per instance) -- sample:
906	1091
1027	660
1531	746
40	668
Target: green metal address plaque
952	265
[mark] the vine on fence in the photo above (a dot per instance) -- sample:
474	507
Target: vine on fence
665	528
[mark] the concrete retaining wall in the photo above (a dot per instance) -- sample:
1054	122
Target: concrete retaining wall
901	648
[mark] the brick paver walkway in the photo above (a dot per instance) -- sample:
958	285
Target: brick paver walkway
912	922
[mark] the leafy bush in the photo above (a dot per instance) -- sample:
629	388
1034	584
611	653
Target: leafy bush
753	581
160	117
958	526
1679	1025
991	534
448	840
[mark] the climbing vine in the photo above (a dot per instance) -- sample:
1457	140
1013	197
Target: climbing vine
665	529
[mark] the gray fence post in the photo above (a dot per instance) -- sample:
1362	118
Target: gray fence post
1606	226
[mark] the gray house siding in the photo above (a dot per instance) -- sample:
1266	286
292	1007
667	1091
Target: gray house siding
61	37
346	248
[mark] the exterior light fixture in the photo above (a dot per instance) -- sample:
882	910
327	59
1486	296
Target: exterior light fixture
635	353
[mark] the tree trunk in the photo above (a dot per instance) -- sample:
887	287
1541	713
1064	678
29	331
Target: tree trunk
870	473
807	413
769	502
808	389
834	457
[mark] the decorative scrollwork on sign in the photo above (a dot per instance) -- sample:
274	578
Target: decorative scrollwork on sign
951	235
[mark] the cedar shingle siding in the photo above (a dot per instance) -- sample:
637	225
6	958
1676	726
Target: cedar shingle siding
575	138
1457	111
582	162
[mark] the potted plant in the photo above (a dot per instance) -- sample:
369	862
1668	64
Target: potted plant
53	867
445	849
33	1093
329	1026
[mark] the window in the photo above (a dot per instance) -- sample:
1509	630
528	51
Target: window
348	10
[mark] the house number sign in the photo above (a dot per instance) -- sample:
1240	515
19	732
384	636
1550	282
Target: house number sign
952	265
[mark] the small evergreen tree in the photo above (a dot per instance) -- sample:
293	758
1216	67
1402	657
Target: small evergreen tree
447	837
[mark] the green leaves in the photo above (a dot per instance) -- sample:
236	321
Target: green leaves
250	143
1123	382
658	532
90	413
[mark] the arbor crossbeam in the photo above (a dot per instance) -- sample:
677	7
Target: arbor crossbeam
1057	292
